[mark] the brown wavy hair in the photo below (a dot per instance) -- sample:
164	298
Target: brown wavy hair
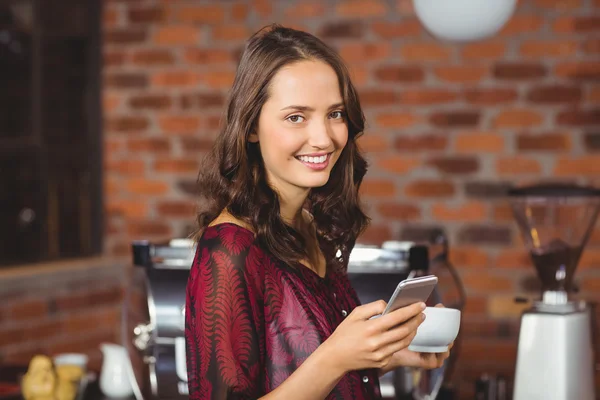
233	176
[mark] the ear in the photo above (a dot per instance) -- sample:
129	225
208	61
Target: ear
253	138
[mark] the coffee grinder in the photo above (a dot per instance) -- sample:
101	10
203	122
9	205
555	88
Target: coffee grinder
555	349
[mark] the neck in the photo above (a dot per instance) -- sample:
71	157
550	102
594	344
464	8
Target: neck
290	208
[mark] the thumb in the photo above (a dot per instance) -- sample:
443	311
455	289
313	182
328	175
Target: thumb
368	310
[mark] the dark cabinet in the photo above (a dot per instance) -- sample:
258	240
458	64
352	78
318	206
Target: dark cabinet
50	144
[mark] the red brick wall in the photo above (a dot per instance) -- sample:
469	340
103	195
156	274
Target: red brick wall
449	128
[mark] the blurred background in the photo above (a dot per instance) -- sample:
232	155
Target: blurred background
108	106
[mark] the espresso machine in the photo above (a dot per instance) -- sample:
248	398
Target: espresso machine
555	349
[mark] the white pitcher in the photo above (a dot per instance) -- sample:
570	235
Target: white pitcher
116	373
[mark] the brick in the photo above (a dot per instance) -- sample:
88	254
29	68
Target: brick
377	97
590	258
591	141
468	256
553	94
491	96
476	142
110	17
342	30
484	283
516	118
372	143
578	117
503	213
78	324
455	164
218	79
374	234
361	8
392	30
377	188
558	5
203	100
176	35
142	229
592	46
471	211
111	187
127	124
125	81
579	24
547	48
485	234
202	14
305	10
520	24
504	306
113	59
97	297
175	78
419	233
474	305
362	52
208	56
421	52
126	208
126	167
458	118
176	166
405	8
147	187
583	165
429	188
396	120
150	102
239	12
517	165
396	164
110	103
358	74
582	70
547	141
145	15
177	209
149	145
153	57
519	71
399	211
195	145
188	187
28	309
263	8
461	74
400	73
483	50
427	96
593	95
421	143
230	33
127	36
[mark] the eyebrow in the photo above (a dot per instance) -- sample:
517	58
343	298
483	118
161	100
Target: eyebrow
307	108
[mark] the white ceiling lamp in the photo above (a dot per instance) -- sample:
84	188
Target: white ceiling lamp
464	20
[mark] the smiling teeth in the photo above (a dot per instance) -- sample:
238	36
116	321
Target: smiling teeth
314	160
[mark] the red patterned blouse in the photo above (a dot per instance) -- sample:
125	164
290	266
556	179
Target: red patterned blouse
252	320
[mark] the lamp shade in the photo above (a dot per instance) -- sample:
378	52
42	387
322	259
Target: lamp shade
464	20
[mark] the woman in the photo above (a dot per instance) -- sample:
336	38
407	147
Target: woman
270	311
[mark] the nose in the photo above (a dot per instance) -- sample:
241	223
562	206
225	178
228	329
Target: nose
319	135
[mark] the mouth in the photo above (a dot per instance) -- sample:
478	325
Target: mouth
315	162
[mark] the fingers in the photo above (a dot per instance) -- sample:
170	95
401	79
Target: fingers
406	329
399	316
368	310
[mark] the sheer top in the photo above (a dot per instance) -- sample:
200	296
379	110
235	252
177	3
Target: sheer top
251	320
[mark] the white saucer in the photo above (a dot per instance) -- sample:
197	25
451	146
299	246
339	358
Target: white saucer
428	349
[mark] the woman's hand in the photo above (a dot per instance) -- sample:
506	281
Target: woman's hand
361	343
408	358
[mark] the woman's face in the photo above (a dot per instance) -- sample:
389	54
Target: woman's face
302	127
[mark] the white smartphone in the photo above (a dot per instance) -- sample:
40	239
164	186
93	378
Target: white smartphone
411	291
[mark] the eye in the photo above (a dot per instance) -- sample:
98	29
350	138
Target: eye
295	119
337	114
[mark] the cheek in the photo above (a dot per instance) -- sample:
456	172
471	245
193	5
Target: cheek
340	137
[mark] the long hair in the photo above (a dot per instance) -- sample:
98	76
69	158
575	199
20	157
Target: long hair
233	176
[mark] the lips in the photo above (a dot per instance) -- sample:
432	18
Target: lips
315	162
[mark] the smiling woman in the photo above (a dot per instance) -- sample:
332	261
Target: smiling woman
270	310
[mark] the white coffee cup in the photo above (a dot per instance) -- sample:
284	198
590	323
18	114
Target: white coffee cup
439	329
